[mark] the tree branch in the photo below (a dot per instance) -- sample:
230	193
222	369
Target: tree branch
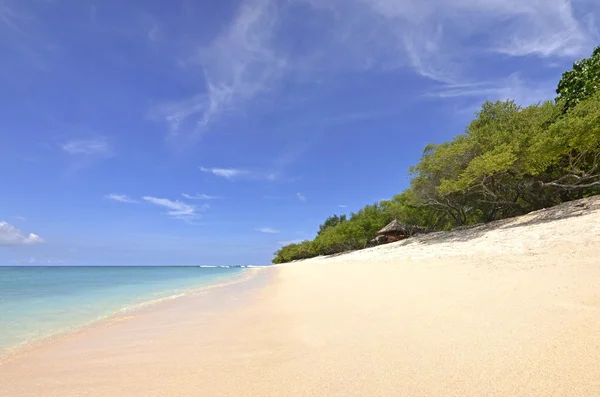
570	187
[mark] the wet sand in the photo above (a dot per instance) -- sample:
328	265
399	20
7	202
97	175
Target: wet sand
510	309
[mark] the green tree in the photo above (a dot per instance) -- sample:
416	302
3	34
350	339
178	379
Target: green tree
498	175
571	148
331	222
405	208
439	163
581	82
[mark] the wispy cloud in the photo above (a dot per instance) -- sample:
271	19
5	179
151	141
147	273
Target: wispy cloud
174	208
301	197
177	209
20	218
228	173
439	40
237	66
342	206
122	198
513	87
267	230
198	196
11	236
545	28
22	32
9	17
87	147
238	173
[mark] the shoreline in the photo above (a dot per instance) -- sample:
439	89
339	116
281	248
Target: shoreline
513	309
14	352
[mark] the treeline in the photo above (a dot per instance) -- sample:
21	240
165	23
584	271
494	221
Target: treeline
511	160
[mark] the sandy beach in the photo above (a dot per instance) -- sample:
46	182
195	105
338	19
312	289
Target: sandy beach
509	309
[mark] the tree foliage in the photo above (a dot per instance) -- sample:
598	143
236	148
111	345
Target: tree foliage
581	82
510	160
331	222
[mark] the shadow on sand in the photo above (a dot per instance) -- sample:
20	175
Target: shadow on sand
467	233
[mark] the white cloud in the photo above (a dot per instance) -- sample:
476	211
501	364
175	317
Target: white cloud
122	198
96	146
177	209
176	113
440	39
544	28
512	87
300	197
236	173
20	218
228	173
343	206
10	236
198	196
267	230
22	32
237	66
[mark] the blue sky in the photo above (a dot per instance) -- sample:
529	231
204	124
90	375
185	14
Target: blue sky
202	132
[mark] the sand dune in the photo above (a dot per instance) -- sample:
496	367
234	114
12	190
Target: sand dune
506	309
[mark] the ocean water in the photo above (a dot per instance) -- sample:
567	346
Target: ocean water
37	302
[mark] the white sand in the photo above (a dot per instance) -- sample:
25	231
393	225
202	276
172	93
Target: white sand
508	310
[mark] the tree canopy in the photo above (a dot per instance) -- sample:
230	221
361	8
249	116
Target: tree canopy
331	222
582	81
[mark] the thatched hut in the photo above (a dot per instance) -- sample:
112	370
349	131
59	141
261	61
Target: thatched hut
394	231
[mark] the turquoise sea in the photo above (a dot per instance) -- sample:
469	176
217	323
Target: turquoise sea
37	302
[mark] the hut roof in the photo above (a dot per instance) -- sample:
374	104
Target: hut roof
395	226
